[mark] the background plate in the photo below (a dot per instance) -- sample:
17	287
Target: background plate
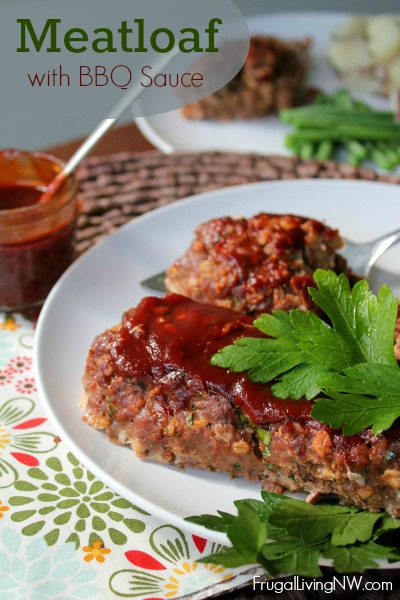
105	281
170	132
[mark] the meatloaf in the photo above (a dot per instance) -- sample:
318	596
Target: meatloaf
256	265
149	384
273	77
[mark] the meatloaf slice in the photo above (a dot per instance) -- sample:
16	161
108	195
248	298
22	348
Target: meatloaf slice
256	265
149	383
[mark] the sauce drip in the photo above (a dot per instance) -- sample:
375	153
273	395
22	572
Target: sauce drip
164	338
19	196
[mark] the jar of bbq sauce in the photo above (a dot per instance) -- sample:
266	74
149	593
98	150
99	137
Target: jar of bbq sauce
37	239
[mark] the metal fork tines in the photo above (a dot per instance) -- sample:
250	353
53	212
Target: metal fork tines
362	257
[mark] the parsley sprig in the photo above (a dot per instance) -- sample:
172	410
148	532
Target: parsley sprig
286	535
348	356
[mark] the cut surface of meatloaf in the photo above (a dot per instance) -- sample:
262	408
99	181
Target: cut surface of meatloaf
149	384
273	77
256	265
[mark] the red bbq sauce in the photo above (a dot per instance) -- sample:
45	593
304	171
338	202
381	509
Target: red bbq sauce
19	196
37	240
169	341
166	336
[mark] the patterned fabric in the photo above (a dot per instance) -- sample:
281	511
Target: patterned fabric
63	534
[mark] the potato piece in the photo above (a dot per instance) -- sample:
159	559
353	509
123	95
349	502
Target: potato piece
349	55
384	37
353	27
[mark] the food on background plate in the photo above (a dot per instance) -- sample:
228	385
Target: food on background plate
155	382
273	77
365	52
256	265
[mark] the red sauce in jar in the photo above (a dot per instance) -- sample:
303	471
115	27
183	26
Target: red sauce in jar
37	241
31	268
19	196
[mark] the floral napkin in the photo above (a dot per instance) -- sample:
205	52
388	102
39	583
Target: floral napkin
63	533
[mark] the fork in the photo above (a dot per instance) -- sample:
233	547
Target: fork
360	257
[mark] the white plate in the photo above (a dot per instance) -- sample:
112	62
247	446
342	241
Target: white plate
170	132
105	282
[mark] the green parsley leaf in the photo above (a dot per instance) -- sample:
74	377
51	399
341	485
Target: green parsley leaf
227	557
364	396
265	359
300	382
248	520
357	558
277	325
282	358
319	341
352	528
261	508
387	525
271	500
287	535
364	322
212	522
264	510
292	556
305	355
313	523
388	534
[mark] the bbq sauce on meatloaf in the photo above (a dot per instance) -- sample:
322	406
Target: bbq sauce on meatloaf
256	265
165	336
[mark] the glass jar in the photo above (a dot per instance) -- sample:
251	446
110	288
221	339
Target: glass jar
37	239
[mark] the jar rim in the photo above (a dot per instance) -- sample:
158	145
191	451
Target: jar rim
24	210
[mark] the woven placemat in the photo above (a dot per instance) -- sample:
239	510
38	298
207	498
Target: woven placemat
116	188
